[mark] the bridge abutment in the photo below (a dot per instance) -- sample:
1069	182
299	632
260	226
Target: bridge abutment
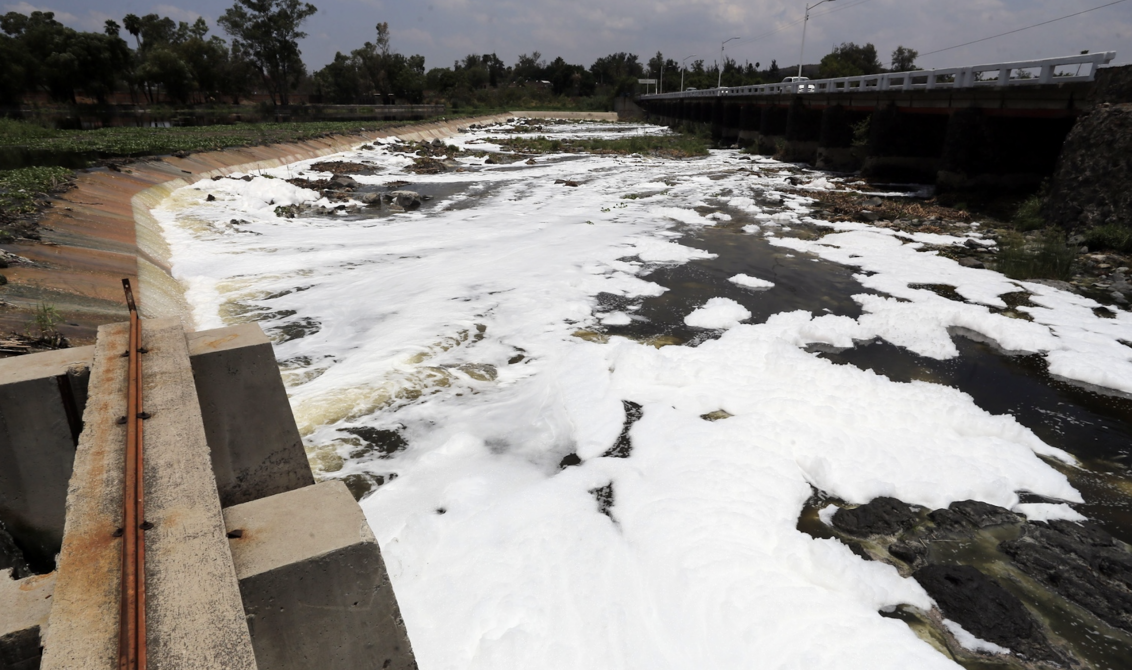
836	142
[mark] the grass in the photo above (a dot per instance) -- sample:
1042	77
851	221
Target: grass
132	142
1047	257
19	189
1110	236
670	146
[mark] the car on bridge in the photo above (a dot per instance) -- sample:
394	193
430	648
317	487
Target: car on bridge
801	88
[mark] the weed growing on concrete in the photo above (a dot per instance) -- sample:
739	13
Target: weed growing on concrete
20	188
1043	257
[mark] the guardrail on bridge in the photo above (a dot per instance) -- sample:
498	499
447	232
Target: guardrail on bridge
1017	73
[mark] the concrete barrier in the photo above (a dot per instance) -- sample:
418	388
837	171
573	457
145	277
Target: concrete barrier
256	448
314	586
193	608
41	402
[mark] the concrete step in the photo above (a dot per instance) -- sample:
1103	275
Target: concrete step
25	605
193	608
314	585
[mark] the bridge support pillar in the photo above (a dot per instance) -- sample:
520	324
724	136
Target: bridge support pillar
904	147
836	150
731	113
749	118
772	129
716	120
803	128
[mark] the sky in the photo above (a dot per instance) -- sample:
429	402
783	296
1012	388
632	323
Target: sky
583	30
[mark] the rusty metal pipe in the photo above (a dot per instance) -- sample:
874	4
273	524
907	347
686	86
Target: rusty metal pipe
132	635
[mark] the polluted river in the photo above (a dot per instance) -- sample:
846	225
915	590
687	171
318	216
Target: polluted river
624	411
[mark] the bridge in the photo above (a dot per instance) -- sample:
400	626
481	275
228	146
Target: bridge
997	125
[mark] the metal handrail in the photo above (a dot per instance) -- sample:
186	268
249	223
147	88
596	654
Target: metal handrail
972	76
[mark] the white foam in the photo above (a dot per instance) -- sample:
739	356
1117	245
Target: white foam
718	313
751	282
457	325
1048	512
972	643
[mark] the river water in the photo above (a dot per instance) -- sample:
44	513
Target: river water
698	350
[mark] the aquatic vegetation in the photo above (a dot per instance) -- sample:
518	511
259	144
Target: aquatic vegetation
20	188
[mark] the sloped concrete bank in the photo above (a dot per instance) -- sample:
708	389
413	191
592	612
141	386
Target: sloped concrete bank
103	230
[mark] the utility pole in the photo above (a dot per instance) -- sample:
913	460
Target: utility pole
720	81
804	22
682	71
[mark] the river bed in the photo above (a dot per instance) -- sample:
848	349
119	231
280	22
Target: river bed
585	400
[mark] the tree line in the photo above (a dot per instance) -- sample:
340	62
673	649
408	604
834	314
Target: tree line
178	62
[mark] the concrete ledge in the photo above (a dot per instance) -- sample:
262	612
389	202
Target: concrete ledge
41	402
256	448
24	609
314	585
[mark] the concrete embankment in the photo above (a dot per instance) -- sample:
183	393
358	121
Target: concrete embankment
102	230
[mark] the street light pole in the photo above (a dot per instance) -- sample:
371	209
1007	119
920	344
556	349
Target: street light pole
682	71
720	81
804	22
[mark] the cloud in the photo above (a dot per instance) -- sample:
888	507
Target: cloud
28	8
584	30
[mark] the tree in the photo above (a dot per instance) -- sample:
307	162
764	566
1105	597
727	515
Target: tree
773	73
132	23
268	32
904	59
850	60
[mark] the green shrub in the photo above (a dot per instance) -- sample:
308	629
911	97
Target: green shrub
1046	257
1028	215
14	132
1110	236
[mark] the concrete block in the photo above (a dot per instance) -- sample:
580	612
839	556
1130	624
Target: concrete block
256	447
41	401
315	588
24	608
194	614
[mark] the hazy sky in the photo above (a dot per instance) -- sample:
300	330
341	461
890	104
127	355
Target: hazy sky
583	30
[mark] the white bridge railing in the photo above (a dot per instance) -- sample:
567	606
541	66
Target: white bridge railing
1019	73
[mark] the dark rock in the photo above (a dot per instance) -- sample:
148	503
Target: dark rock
984	514
569	460
907	552
3	280
969	262
210	198
570	183
881	516
407	200
3	264
1089	187
948	521
1082	563
983	608
343	181
372	199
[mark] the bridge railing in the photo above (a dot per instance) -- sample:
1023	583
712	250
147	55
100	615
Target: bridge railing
1016	73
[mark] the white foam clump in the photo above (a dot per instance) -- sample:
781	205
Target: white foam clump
718	313
970	642
616	319
751	282
1048	512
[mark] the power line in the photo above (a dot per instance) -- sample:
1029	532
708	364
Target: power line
1018	30
797	21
